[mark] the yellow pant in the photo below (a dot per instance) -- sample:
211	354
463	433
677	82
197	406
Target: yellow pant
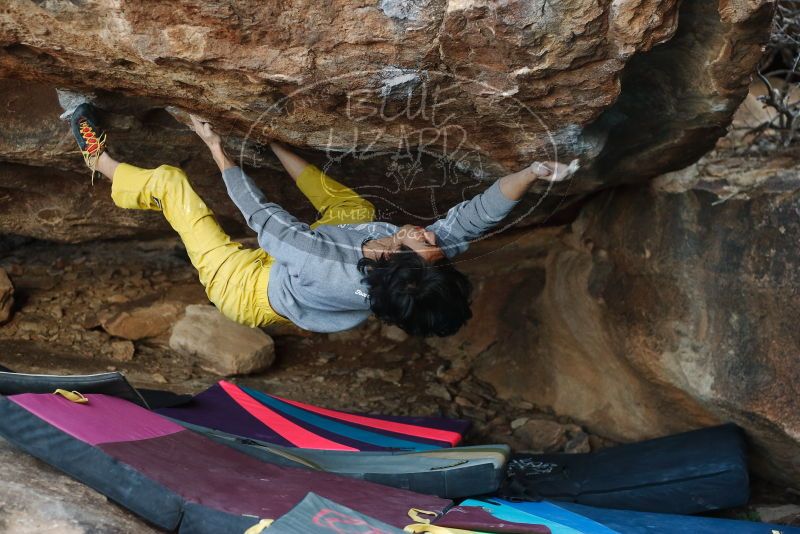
235	278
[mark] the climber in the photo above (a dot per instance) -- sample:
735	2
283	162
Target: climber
324	277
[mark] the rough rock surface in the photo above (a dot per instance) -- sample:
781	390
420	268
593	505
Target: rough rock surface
641	322
6	296
34	497
413	101
346	60
787	514
221	345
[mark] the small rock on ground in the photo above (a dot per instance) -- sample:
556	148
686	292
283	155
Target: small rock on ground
578	443
140	319
393	333
122	350
541	435
393	376
518	422
220	345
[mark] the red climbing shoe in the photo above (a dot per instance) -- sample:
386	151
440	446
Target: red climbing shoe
90	137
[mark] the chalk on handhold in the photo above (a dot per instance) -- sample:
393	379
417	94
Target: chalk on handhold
183	116
574	165
563	172
69	100
179	115
559	172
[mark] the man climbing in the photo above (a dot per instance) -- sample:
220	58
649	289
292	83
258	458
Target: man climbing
324	277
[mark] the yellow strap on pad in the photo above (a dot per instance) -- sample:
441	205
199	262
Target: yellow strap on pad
72	396
417	515
419	528
259	527
423	524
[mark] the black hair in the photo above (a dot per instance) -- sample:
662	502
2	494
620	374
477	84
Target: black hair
421	298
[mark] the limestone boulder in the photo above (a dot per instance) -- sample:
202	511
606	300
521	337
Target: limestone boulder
307	68
220	345
704	306
416	104
643	322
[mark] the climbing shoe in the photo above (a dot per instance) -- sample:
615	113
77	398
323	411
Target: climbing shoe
90	137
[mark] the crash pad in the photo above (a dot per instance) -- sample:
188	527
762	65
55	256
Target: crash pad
174	477
254	414
685	473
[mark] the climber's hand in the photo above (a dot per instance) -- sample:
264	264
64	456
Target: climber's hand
204	131
214	142
553	171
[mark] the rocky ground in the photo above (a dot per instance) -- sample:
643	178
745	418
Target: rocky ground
67	298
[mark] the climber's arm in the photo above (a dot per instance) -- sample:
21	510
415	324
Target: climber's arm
473	218
293	163
279	233
514	186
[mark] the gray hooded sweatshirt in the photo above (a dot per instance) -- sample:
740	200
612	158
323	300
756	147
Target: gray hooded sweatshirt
315	282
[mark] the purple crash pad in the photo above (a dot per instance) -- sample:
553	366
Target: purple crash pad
203	472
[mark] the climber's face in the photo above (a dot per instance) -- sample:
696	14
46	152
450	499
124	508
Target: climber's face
420	240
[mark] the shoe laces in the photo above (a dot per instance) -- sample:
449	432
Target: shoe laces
94	146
